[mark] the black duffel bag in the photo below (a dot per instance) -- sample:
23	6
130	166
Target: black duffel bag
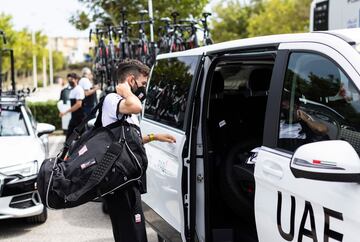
102	160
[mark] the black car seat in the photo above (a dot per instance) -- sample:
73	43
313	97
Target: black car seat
218	122
259	83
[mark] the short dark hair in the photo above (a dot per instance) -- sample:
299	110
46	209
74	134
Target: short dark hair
73	75
130	66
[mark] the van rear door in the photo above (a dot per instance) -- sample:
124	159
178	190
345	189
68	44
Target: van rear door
168	109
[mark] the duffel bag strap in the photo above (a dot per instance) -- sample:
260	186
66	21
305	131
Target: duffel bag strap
78	130
100	172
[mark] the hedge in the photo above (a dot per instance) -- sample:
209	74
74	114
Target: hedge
46	112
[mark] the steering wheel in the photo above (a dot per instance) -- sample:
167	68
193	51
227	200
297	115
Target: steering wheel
238	182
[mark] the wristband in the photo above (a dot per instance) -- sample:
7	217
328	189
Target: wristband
151	137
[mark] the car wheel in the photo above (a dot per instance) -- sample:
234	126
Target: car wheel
38	219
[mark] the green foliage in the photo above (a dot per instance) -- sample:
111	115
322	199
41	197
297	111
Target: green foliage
58	61
109	12
235	19
21	43
280	16
231	21
46	112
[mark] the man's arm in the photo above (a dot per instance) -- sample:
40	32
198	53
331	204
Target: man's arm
315	126
158	137
131	103
91	91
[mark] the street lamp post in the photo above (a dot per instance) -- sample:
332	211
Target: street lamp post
151	15
34	60
51	71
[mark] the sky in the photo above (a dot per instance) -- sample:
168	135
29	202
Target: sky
49	16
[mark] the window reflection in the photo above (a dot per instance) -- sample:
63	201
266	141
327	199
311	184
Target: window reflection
315	86
169	89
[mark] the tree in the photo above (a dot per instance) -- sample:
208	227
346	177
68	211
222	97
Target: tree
280	16
21	43
109	12
231	21
236	20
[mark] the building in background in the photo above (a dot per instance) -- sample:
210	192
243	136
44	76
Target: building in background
75	49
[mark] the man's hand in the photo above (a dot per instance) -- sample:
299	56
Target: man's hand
61	114
123	89
303	116
165	138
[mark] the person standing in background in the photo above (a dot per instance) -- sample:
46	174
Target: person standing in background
85	82
76	97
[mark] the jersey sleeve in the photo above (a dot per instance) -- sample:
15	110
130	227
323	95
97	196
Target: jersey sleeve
111	106
80	94
85	83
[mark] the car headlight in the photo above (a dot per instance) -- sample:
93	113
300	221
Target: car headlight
25	169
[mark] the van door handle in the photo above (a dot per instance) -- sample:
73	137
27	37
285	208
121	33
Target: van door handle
273	169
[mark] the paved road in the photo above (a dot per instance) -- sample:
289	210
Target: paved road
85	223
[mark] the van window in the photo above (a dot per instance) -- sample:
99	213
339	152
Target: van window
168	90
319	102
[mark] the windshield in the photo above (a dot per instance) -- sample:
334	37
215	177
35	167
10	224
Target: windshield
12	123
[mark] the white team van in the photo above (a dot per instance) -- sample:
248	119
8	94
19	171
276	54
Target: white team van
268	138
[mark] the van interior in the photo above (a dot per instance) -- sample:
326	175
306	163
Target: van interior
234	127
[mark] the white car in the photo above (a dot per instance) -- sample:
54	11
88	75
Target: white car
267	140
23	147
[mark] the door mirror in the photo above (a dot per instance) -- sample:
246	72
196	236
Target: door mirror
334	160
43	128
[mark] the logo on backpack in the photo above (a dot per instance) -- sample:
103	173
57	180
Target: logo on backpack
88	164
82	150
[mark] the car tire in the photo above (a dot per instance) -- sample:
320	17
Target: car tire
38	219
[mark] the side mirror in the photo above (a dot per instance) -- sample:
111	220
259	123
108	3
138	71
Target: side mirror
43	128
333	160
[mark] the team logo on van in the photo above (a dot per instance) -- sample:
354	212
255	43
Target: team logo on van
318	164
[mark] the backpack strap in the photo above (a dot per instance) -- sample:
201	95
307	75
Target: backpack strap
79	129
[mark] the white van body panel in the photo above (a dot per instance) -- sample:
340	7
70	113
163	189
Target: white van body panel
164	174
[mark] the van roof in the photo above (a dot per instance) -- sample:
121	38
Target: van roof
352	36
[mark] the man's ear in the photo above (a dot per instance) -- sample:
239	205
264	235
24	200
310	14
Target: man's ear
130	80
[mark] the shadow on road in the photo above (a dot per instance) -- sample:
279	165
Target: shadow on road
89	215
10	228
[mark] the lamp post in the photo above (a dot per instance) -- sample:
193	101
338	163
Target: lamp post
51	70
151	15
34	60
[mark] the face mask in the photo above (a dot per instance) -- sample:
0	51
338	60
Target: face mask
140	93
71	83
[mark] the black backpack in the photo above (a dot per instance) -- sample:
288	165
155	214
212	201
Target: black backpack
100	161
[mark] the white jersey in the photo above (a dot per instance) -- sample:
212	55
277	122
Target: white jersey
110	111
291	131
77	93
85	83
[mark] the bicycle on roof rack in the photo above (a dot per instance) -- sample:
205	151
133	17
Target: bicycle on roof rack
115	43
